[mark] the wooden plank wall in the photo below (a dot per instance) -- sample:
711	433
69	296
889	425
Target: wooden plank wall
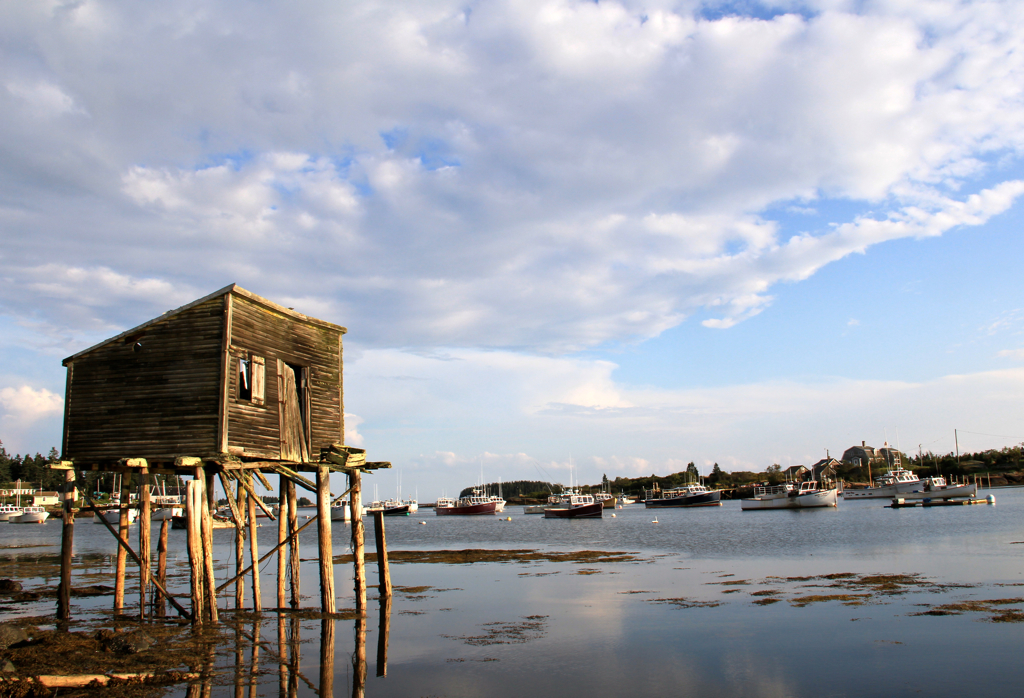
155	403
254	430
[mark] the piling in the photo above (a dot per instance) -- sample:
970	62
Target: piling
161	567
383	570
67	539
325	548
293	544
145	534
358	549
254	555
282	536
194	535
206	519
122	531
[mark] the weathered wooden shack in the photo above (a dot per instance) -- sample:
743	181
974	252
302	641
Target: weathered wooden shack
230	386
229	374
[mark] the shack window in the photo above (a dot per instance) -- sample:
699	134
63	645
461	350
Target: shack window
251	379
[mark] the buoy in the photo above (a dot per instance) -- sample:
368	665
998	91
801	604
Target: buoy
423	523
613	516
655	520
991	499
509	518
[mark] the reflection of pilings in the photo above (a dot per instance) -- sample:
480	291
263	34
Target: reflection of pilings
255	658
326	658
294	660
282	652
359	659
384	631
239	652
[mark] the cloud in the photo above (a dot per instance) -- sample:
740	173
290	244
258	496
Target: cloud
25	414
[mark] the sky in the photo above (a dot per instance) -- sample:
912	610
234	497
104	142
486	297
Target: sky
620	236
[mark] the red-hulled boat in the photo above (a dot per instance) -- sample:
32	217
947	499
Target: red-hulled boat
573	505
474	504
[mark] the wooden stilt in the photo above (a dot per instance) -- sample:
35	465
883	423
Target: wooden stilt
210	592
194	513
282	536
293	545
383	571
67	541
325	548
145	542
161	567
122	531
240	517
358	546
327	657
254	555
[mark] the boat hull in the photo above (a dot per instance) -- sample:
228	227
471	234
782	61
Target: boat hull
470	510
29	517
809	500
705	499
164	513
402	510
585	511
533	509
113	516
341	513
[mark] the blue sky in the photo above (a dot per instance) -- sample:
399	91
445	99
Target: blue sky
639	233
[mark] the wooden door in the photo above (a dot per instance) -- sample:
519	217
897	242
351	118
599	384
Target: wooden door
293	435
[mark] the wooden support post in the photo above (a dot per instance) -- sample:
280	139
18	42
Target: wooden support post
210	592
145	542
383	571
161	567
194	513
122	531
282	536
325	549
240	517
358	549
293	545
67	541
254	555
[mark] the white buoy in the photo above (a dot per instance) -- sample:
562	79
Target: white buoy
423	523
613	516
991	499
655	520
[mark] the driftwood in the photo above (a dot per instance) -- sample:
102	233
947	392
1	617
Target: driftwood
82	680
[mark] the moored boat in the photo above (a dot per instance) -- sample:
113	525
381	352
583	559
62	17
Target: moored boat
573	505
113	516
9	510
936	488
804	495
692	495
341	511
30	515
475	504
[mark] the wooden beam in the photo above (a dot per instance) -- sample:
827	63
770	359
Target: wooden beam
325	549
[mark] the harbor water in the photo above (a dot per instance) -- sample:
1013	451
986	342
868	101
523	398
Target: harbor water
860	600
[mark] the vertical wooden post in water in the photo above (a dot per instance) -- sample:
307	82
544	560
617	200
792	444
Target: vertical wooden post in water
194	513
325	548
122	530
383	572
254	555
145	542
67	541
293	545
207	519
161	568
239	543
358	549
282	534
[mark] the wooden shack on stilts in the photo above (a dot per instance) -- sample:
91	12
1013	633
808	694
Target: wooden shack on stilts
229	389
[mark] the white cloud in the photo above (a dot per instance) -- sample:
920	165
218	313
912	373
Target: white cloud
22	409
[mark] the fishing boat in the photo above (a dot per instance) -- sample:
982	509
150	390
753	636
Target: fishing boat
896	482
30	515
573	505
113	516
804	495
341	511
691	495
936	488
533	509
474	504
9	510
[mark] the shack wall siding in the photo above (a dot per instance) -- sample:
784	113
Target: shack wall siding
156	403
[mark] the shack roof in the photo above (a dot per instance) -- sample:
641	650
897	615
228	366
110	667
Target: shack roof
231	288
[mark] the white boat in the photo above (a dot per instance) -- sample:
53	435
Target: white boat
341	511
573	505
937	488
9	510
30	515
533	509
113	516
163	513
791	496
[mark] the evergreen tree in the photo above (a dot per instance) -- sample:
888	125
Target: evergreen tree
692	473
716	474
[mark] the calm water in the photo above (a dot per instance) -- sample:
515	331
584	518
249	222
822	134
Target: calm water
682	620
